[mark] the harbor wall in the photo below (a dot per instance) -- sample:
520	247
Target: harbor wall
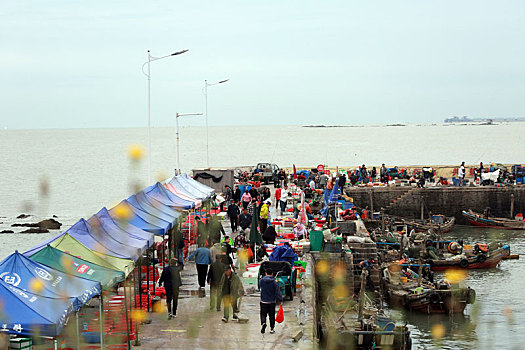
449	201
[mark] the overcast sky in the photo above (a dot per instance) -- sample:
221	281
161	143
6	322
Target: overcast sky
78	63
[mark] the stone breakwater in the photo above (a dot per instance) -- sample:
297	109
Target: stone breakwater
449	201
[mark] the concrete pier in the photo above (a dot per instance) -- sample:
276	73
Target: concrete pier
449	201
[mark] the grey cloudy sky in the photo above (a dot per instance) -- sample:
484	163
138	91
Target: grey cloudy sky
78	63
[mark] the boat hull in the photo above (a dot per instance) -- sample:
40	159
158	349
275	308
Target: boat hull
476	219
490	262
432	302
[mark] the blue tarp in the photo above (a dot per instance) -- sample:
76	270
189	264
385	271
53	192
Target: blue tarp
170	211
141	219
182	185
283	253
25	313
31	276
148	208
105	227
160	193
202	187
98	241
95	239
127	227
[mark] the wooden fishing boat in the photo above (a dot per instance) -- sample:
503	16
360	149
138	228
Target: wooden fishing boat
471	260
342	322
438	223
477	219
428	298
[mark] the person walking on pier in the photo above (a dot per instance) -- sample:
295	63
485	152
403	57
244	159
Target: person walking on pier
202	259
246	199
461	174
214	277
237	194
245	220
284	199
170	277
231	289
265	209
270	293
383	174
277	196
233	213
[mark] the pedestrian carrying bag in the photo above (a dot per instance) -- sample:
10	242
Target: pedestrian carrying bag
280	315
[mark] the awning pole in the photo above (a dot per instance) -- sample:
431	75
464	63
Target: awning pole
101	319
128	344
190	236
55	344
147	280
139	282
137	308
77	330
163	250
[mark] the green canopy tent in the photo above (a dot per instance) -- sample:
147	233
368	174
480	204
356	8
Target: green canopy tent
78	267
70	245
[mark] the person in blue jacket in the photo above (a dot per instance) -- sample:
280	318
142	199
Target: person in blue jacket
202	259
270	293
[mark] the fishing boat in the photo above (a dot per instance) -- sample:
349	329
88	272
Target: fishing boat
344	322
422	295
477	219
471	260
438	223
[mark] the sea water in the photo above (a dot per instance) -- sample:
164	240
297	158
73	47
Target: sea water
72	173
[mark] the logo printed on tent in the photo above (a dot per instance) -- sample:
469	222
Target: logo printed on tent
83	268
43	273
11	279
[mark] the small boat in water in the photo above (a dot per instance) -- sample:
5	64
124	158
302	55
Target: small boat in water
424	296
438	223
477	219
475	259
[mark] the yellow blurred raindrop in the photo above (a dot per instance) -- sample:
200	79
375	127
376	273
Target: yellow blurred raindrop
138	315
340	291
161	176
135	152
438	331
123	212
455	276
322	267
36	285
67	264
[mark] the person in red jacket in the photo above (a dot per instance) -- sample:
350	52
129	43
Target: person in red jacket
277	196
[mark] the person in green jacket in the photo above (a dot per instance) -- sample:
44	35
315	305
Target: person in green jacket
230	290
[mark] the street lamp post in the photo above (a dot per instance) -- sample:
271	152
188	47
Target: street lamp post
177	123
148	74
206	84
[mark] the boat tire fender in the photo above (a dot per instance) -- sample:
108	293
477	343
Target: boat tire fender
463	263
482	258
434	298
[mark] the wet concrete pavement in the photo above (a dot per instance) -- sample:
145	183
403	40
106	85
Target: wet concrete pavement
196	327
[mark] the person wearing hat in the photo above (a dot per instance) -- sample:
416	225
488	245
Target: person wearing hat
264	214
170	277
299	230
